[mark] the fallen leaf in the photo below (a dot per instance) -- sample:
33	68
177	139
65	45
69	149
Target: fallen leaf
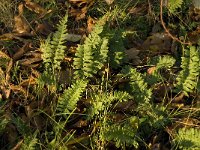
157	43
90	24
30	81
151	70
109	2
30	62
20	23
43	28
21	52
79	8
34	7
73	37
132	55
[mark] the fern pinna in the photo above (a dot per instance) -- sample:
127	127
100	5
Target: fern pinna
68	100
137	86
53	48
91	56
187	139
188	77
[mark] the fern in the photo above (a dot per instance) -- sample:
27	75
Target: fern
122	134
91	56
68	100
188	77
188	139
103	101
173	5
137	86
160	63
53	49
30	142
164	62
117	54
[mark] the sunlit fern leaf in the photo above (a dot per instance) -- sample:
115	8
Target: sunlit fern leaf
30	142
188	78
173	5
54	49
103	101
188	139
137	86
68	100
92	55
160	62
122	135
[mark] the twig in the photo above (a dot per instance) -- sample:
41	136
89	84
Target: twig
165	28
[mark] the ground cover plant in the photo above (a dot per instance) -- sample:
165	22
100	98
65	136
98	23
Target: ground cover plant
99	74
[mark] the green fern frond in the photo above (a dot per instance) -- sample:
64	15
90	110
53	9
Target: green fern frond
30	142
173	5
188	77
91	56
117	54
164	62
137	86
3	123
68	100
188	139
53	49
103	101
122	134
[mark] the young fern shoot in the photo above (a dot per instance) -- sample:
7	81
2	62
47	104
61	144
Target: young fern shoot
92	55
53	48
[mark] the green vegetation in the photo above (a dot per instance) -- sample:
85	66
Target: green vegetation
102	75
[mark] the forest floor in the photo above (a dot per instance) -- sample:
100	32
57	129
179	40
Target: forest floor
99	74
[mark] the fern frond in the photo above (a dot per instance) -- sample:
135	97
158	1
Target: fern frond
122	135
30	142
165	62
188	77
188	139
91	56
103	101
174	4
53	49
117	54
138	87
68	100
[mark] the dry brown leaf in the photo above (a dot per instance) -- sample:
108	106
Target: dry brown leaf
18	89
158	43
30	81
33	59
21	24
4	55
132	55
90	24
30	62
34	7
18	145
138	10
151	70
5	79
43	28
21	51
80	124
79	8
18	36
78	13
109	2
